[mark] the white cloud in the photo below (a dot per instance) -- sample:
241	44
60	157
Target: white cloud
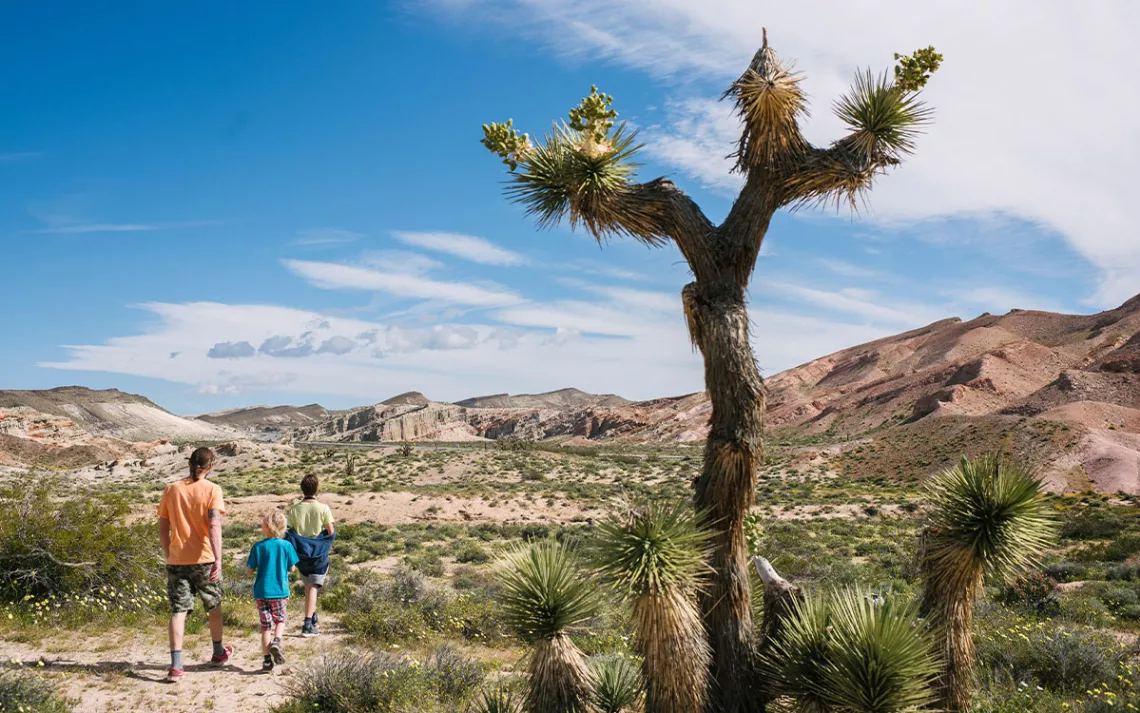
610	346
1053	144
468	247
333	276
846	269
315	237
865	304
101	228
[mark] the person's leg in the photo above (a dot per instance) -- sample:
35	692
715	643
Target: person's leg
181	596
176	630
211	595
311	592
276	652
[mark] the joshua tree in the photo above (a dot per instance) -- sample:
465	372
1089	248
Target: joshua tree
989	518
852	652
583	172
545	595
654	555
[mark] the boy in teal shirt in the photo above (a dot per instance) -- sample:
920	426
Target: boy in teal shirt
272	559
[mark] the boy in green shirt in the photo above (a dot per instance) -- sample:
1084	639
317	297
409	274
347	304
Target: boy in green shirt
311	519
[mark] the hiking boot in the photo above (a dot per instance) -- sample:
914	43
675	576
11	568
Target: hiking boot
276	652
267	665
316	629
174	675
308	631
223	659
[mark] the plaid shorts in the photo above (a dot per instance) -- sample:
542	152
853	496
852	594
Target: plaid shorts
271	611
184	581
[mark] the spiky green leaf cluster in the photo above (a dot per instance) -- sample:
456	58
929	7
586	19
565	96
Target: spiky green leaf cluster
912	73
855	653
496	699
559	180
651	549
884	119
619	686
546	593
988	516
594	116
506	142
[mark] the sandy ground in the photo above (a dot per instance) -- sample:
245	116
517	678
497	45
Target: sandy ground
105	676
400	508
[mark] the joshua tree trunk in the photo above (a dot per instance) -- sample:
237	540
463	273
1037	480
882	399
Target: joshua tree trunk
724	491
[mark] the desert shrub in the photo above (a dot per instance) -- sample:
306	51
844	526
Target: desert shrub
20	691
1032	591
472	553
382	683
497	699
1065	659
1093	524
56	543
407	608
1068	571
1118	597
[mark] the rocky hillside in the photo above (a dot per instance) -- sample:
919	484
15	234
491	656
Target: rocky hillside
109	413
562	399
268	417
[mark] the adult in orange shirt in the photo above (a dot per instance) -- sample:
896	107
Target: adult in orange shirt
190	530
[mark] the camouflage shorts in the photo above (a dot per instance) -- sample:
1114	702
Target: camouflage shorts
183	581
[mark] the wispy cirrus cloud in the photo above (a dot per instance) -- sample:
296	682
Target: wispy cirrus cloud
335	276
69	228
6	157
467	247
320	237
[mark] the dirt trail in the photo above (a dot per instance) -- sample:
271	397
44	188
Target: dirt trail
112	674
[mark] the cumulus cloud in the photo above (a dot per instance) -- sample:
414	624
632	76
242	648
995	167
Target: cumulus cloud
336	345
228	350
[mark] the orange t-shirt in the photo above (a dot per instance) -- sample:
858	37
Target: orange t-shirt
186	504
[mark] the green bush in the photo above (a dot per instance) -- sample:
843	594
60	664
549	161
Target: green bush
56	541
1061	659
382	684
408	609
1032	591
24	692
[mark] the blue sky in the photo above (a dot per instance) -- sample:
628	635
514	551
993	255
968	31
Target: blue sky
219	204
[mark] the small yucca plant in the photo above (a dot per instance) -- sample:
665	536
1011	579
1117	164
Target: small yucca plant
854	653
495	699
546	594
654	555
988	518
620	688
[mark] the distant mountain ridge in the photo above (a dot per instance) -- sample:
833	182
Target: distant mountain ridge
268	416
560	399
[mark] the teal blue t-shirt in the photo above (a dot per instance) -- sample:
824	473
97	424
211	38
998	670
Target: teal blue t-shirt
271	559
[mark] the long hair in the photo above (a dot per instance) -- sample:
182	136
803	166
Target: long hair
200	461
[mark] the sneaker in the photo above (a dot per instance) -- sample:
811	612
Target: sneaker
174	675
308	631
316	629
267	665
220	660
276	653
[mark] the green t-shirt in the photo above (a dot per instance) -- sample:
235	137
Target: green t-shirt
309	518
